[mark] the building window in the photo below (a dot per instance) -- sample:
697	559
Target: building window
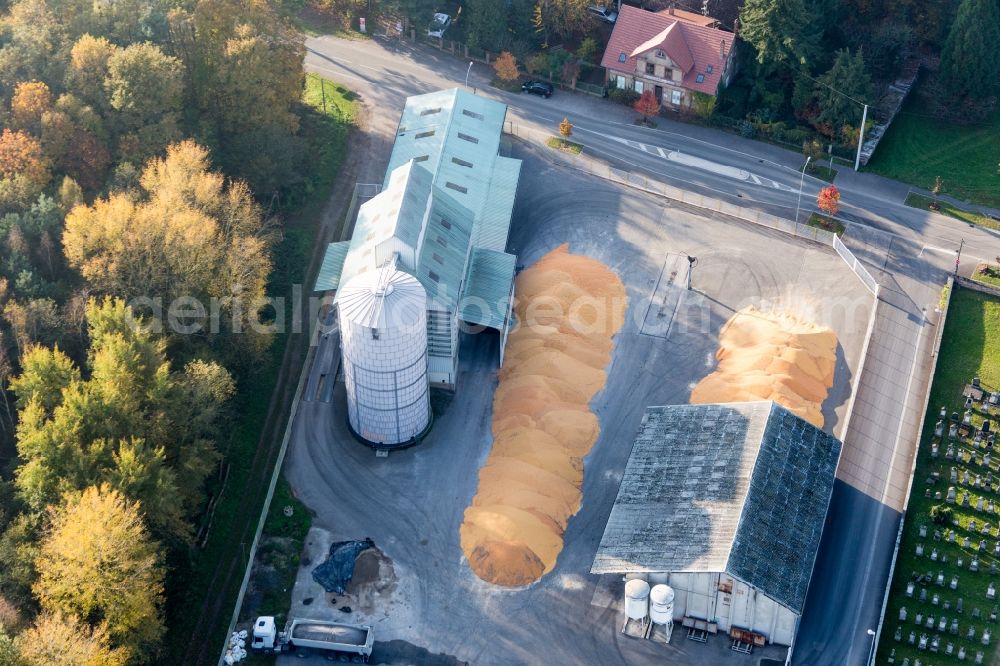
430	112
467	137
675	97
434	276
421	158
472	114
441	241
424	135
660	54
668	74
650	68
700	78
461	162
620	82
445	223
437	257
709	69
638	86
622	57
455	186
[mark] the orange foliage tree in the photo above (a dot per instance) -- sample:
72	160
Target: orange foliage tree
21	155
828	200
647	105
31	99
506	66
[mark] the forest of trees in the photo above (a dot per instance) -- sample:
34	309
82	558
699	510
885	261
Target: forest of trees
817	62
144	149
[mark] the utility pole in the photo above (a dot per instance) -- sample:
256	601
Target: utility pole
692	262
958	256
322	88
467	72
861	138
802	177
871	653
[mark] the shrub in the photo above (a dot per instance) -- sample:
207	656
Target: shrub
940	513
623	96
747	129
587	50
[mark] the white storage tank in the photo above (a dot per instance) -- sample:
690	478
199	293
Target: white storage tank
383	337
636	599
661	604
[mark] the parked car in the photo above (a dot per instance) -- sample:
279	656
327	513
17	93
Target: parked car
603	13
537	88
438	25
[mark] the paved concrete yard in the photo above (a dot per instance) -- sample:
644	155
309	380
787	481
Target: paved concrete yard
411	503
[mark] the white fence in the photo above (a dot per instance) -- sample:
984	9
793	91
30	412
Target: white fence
640	181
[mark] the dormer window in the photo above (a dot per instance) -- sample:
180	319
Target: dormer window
660	54
622	57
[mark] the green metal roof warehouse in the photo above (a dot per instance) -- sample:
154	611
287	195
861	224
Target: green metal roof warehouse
444	211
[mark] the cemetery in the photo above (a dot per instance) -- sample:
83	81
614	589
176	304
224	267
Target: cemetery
944	601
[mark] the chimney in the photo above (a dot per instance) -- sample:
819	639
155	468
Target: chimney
670	10
722	50
736	27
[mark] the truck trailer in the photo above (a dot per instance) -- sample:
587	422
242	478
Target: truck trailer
344	642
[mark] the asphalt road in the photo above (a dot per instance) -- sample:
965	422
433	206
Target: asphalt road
909	251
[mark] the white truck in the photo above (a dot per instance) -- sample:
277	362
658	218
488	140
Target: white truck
343	642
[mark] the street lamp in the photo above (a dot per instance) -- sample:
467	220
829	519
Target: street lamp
871	653
801	178
861	138
692	262
467	72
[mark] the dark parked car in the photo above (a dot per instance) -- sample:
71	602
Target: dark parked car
537	88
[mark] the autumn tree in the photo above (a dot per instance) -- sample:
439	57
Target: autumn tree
98	562
32	34
828	200
8	650
191	236
63	639
235	51
970	60
145	88
506	66
647	105
24	170
88	70
566	128
30	101
560	18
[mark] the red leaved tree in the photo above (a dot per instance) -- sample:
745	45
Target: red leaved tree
828	200
506	66
647	105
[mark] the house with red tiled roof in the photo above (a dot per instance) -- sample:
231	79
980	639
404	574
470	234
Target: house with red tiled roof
672	53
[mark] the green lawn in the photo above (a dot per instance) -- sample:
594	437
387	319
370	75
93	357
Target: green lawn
826	223
242	498
987	274
920	201
970	347
564	145
822	172
917	148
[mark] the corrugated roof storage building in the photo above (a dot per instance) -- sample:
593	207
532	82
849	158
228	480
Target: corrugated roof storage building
729	500
444	212
383	323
